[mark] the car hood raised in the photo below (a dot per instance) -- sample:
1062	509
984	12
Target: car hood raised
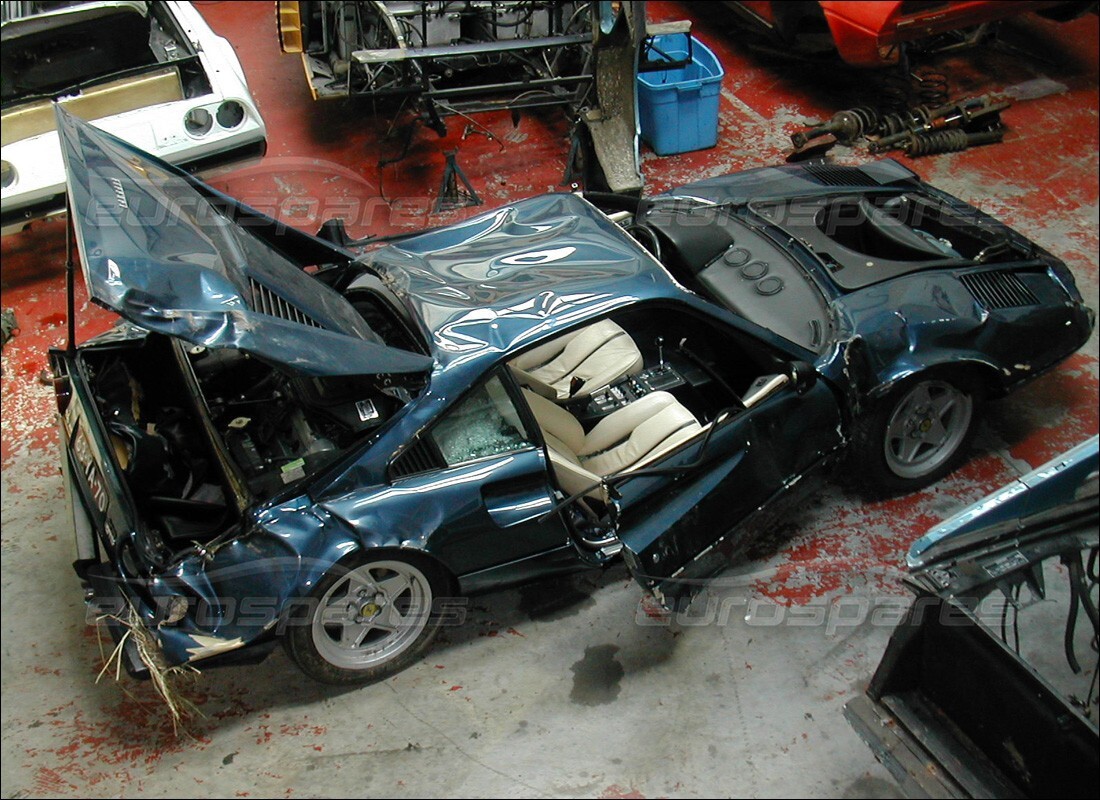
1054	496
172	255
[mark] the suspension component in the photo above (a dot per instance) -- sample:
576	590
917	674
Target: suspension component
930	86
895	91
846	126
900	89
954	115
951	140
901	122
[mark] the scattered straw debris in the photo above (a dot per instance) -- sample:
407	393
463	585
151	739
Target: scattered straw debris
167	680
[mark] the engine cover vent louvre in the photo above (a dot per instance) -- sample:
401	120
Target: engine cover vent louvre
418	457
267	302
833	175
999	289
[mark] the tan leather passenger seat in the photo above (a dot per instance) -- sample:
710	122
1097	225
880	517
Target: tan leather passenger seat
625	439
578	363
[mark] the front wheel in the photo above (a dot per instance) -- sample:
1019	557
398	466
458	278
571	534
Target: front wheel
916	435
365	621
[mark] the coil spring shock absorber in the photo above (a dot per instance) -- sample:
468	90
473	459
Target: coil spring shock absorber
847	126
907	98
895	91
950	141
901	121
930	86
953	115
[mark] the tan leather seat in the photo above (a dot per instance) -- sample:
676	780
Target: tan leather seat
578	363
625	439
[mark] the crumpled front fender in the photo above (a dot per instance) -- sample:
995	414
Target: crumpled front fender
241	591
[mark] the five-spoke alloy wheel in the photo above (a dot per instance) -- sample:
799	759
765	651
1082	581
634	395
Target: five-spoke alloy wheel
927	426
915	436
365	621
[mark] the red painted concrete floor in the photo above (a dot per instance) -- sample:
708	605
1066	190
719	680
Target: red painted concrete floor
588	699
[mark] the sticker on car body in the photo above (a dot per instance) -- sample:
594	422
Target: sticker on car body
85	457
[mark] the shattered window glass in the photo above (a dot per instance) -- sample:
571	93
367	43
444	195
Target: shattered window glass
484	424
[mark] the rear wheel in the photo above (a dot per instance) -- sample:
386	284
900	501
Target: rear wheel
367	620
916	435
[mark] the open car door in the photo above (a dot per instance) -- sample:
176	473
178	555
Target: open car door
680	519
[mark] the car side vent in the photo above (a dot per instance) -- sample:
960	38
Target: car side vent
998	289
832	175
420	456
267	302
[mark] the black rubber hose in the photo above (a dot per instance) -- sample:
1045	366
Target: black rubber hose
1079	594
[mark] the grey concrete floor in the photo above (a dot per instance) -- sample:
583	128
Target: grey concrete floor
571	687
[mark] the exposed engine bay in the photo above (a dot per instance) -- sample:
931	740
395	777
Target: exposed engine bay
194	459
53	49
278	429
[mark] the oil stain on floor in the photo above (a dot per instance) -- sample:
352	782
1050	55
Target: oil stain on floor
596	677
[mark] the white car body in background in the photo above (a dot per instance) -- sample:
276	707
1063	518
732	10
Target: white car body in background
188	102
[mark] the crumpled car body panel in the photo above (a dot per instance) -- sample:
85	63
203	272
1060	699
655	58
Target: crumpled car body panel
223	287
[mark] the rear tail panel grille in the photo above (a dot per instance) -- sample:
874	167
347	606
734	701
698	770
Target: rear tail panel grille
267	302
999	289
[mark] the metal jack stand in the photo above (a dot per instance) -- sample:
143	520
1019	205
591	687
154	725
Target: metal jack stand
450	195
573	167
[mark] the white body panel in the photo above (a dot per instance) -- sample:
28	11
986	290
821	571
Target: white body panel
158	129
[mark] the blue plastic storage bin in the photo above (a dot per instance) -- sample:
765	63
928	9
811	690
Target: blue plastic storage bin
678	108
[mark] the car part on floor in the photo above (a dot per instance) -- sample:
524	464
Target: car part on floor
970	699
847	126
951	141
916	130
970	114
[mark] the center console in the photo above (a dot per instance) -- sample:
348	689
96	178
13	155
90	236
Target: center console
657	378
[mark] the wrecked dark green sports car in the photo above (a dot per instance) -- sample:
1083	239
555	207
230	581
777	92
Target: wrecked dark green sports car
287	439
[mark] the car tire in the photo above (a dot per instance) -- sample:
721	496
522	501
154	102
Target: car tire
914	436
369	618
